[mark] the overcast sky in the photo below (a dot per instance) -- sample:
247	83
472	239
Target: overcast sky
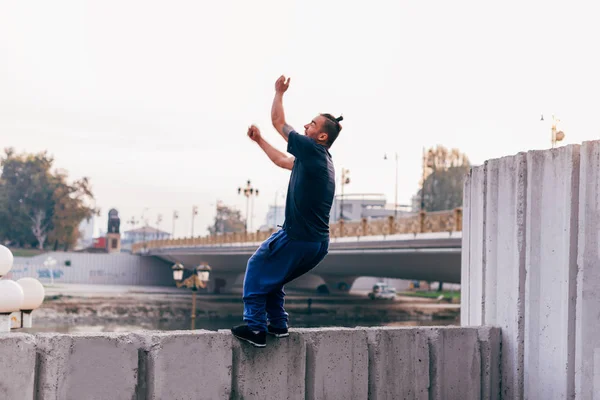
151	100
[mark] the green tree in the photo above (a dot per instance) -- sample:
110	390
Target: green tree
444	175
227	220
36	203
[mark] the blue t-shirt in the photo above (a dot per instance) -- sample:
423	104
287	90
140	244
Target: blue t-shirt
310	191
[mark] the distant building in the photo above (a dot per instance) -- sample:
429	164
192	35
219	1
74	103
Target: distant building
354	207
142	234
275	216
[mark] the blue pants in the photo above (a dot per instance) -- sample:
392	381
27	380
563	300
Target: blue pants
277	261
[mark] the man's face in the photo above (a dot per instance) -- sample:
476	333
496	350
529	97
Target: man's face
313	129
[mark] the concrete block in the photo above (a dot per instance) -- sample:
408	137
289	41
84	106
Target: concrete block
490	344
455	363
87	366
551	268
398	363
274	372
337	363
17	366
504	300
473	261
587	339
465	270
188	365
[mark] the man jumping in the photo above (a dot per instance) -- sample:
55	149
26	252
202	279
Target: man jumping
303	241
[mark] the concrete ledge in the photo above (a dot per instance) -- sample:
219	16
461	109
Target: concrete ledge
490	342
398	363
331	363
276	372
187	365
455	364
17	366
94	366
337	363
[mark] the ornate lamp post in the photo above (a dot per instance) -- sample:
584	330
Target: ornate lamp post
198	280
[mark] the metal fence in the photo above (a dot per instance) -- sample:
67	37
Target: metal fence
421	222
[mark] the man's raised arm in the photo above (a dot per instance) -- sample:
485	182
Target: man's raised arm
279	158
277	114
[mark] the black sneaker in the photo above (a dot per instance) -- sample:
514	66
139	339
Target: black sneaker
277	332
255	338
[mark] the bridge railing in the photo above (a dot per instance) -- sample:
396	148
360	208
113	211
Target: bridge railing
419	222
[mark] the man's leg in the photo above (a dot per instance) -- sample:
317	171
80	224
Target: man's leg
313	254
310	264
259	280
276	314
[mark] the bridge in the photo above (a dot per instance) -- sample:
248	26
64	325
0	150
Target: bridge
421	246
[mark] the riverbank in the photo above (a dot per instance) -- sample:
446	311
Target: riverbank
109	308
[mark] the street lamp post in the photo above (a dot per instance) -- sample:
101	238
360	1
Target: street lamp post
396	191
158	221
194	213
198	280
175	217
345	181
248	191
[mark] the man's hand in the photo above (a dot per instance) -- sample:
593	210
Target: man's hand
254	133
282	85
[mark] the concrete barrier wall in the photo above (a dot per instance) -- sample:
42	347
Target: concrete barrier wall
336	363
531	266
94	269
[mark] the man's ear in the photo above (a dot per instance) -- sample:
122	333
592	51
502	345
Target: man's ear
323	137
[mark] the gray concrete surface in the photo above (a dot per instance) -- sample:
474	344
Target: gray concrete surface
195	365
337	363
87	366
505	222
455	359
530	266
277	372
551	269
490	342
587	339
398	364
17	366
334	363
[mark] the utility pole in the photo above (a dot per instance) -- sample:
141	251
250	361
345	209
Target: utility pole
175	216
194	213
345	181
396	192
248	191
158	221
